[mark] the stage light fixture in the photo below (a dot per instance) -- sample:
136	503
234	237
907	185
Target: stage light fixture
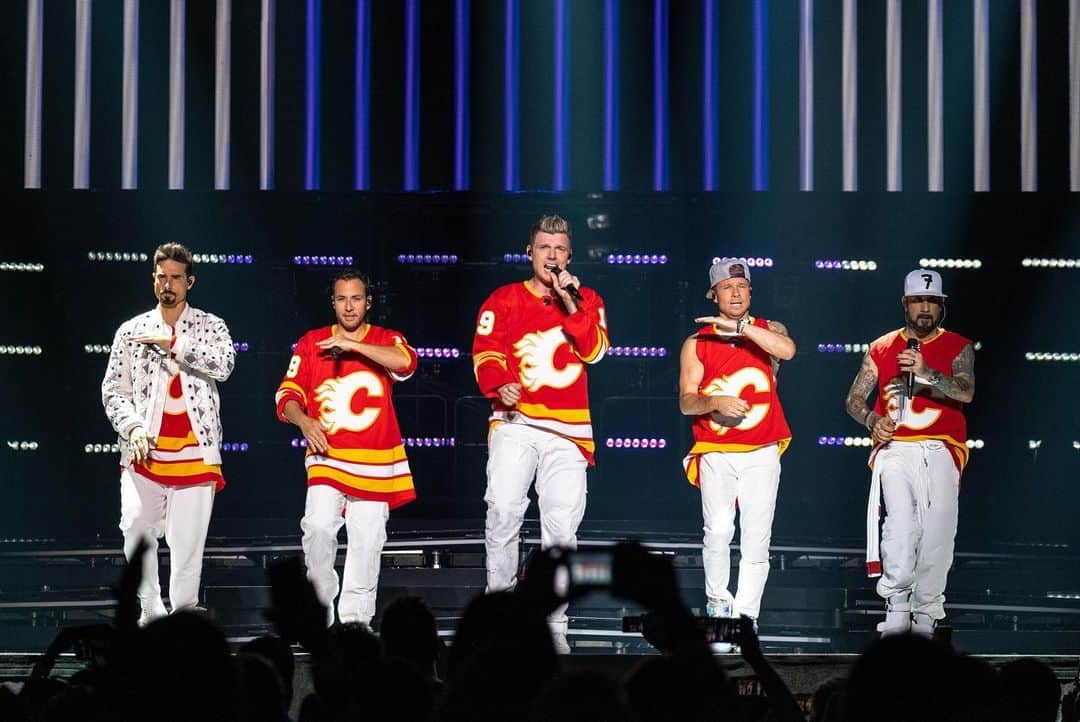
437	352
117	256
638	351
322	260
20	350
637	259
753	262
635	443
240	346
515	258
843	347
950	263
226	258
102	448
22	445
429	259
235	446
21	266
845	265
1051	356
1050	263
428	442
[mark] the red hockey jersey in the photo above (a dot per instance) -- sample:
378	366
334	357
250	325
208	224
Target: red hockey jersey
530	339
736	367
930	414
351	399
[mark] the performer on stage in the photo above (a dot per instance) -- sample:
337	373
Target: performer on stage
160	394
337	390
533	341
924	375
727	382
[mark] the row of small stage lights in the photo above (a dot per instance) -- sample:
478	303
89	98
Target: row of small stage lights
442	259
628	443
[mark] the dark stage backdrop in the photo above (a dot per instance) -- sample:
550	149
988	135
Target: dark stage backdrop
1011	492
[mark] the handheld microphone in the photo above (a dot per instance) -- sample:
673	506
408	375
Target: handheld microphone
569	288
335	354
912	344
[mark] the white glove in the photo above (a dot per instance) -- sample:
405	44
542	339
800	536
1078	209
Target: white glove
140	444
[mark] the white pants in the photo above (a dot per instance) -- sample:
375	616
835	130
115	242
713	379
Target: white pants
517	453
920	485
750	478
149	510
325	511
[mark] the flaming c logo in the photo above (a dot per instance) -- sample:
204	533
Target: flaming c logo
335	402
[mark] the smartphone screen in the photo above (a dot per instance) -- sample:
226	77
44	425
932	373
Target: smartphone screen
590	570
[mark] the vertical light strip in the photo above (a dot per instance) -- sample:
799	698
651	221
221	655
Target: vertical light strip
611	95
1074	95
562	96
312	93
1029	101
806	95
981	21
362	115
894	178
222	92
80	172
710	120
761	95
461	95
129	121
935	118
34	61
850	96
660	95
511	69
267	28
177	26
412	95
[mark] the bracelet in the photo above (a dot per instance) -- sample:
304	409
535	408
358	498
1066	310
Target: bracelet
866	419
740	325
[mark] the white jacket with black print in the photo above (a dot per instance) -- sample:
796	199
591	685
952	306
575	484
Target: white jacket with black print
137	378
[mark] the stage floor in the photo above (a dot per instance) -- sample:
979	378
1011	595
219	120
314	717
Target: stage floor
818	600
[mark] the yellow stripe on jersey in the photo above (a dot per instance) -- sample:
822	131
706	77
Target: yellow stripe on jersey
569	416
292	386
706	447
172	443
363	483
587	444
601	344
180	469
368	456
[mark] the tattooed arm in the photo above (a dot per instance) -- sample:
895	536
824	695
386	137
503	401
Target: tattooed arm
961	385
865	382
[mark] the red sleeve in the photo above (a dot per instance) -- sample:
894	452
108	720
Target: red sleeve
490	345
587	327
397	339
297	382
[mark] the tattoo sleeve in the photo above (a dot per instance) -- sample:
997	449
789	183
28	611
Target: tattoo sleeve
865	382
961	385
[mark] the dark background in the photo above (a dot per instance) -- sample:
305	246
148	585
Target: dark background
1011	494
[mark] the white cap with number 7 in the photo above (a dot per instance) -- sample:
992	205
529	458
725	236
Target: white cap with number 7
923	282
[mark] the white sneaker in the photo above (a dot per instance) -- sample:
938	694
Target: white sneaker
922	625
155	611
721	610
897	616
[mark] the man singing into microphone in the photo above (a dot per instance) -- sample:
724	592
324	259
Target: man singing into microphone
727	381
924	375
533	340
337	391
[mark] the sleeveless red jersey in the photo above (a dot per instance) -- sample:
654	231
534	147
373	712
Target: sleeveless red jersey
351	398
530	339
930	414
736	366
